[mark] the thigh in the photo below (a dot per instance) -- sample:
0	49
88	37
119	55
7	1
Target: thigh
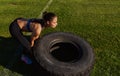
17	34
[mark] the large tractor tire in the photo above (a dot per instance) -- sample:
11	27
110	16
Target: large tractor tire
64	54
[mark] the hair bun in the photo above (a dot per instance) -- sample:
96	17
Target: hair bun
45	12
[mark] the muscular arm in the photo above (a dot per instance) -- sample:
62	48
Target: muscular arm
35	34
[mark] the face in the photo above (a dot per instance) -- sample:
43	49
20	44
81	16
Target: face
53	23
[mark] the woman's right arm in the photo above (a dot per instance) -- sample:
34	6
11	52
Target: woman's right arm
35	33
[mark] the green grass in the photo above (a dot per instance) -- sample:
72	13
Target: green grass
97	21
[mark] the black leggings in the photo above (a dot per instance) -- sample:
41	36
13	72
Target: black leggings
16	32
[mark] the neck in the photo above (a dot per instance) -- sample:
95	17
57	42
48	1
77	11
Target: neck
46	25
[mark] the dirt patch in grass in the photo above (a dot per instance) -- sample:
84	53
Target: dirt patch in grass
13	4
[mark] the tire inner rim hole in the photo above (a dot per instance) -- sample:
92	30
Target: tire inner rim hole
66	52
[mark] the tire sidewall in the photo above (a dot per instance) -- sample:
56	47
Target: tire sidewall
43	56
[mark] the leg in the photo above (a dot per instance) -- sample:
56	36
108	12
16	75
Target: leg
16	32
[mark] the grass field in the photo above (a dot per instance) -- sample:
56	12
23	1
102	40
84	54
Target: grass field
97	21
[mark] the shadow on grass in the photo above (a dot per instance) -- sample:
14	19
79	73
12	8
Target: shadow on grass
10	59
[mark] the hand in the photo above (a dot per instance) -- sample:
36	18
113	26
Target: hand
32	43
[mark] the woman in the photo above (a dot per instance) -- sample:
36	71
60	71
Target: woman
35	26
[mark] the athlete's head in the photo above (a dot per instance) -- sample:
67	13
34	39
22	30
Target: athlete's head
50	19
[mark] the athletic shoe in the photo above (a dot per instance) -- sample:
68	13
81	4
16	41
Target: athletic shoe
26	59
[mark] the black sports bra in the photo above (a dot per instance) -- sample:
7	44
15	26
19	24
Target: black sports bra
34	20
28	25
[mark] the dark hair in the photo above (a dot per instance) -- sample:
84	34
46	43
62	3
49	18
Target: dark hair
48	16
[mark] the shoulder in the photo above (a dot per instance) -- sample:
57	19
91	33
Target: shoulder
37	27
41	21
